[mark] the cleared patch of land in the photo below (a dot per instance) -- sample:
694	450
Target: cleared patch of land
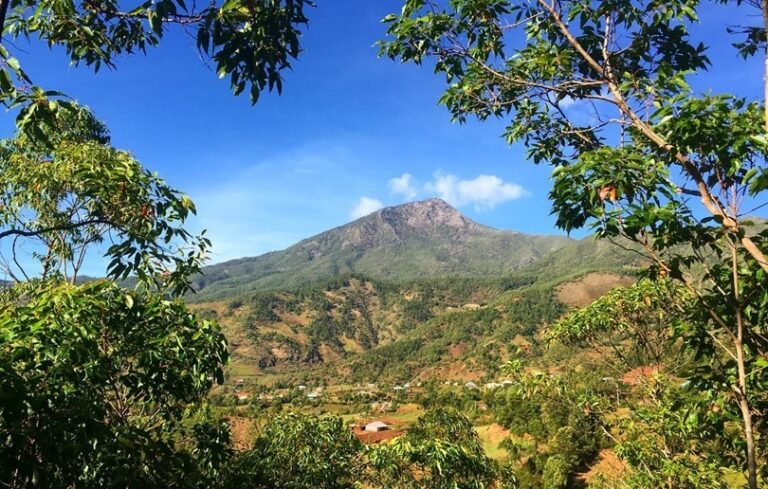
492	435
584	291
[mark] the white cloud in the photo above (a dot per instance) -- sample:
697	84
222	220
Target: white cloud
403	185
483	191
365	206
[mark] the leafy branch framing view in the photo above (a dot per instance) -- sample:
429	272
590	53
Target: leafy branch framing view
631	167
118	378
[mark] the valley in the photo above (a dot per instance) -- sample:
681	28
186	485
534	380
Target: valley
390	349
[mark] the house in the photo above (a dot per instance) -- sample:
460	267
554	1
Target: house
242	395
506	383
313	395
370	432
302	387
470	385
376	426
492	385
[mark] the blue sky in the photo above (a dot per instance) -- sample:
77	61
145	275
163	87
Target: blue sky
337	143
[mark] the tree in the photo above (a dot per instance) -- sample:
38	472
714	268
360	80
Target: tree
677	438
63	196
441	451
298	451
557	420
634	167
633	325
556	472
99	383
95	373
95	383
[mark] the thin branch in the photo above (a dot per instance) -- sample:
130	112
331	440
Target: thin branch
64	227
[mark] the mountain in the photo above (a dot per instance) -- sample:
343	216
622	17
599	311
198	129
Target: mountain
414	240
411	290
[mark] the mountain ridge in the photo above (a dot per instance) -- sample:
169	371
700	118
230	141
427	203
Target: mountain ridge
423	239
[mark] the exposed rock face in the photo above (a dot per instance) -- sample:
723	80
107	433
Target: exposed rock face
428	219
432	213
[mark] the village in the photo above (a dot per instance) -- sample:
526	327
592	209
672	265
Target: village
374	412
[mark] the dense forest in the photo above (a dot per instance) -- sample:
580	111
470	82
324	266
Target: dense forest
488	380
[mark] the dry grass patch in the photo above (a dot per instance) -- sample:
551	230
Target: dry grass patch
585	290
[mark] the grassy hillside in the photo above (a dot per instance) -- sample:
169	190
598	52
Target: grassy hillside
409	291
356	329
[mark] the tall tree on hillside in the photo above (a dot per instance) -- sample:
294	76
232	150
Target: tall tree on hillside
98	382
598	90
101	386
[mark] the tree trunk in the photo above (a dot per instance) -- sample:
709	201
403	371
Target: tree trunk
751	455
746	416
741	389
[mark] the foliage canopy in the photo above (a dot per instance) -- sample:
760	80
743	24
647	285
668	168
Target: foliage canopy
651	163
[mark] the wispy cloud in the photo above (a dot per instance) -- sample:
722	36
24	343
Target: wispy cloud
365	206
403	186
483	191
275	201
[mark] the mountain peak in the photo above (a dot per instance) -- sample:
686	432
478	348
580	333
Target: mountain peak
424	214
432	203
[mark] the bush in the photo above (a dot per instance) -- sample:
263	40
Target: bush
556	471
298	451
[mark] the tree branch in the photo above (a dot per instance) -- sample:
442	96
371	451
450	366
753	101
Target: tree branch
3	12
67	227
709	201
